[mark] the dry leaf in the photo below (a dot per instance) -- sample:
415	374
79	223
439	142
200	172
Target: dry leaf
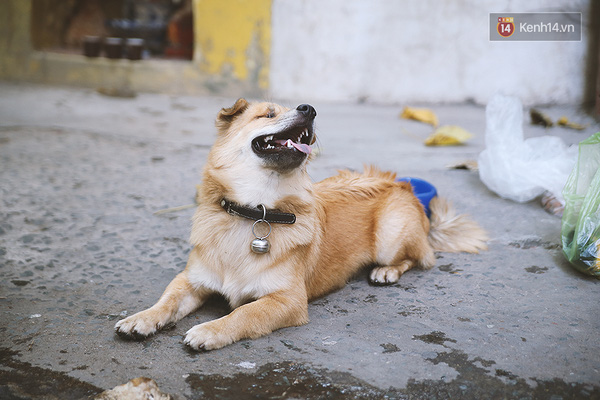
469	165
420	114
448	135
564	121
539	118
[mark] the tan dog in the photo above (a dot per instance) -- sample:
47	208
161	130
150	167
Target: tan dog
257	170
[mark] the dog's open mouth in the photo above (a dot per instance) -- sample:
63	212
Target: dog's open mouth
294	139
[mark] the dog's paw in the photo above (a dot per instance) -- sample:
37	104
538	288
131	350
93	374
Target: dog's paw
139	326
384	275
207	336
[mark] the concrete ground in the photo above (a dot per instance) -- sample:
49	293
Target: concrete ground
82	175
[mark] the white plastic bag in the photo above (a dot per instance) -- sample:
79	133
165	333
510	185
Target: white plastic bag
519	169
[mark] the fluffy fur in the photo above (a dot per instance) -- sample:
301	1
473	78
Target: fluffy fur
343	223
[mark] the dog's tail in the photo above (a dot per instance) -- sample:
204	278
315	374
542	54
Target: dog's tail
450	232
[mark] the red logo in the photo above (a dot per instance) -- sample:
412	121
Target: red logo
506	26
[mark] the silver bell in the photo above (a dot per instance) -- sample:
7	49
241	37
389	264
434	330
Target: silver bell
260	246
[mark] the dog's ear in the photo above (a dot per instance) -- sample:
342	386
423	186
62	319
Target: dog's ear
227	115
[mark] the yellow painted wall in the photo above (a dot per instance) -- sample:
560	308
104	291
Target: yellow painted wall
15	41
233	38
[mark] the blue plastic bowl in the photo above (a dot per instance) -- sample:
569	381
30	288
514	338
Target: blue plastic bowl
424	191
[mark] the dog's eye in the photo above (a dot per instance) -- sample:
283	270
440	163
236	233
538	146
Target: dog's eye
270	114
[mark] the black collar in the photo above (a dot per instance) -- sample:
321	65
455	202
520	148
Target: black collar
256	213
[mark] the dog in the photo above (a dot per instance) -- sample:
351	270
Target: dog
269	240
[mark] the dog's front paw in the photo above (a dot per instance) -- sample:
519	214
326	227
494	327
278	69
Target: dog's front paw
384	275
139	326
207	336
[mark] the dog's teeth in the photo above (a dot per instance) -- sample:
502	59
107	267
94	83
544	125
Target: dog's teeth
269	138
289	144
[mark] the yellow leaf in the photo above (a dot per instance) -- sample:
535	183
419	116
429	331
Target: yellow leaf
420	114
564	121
448	135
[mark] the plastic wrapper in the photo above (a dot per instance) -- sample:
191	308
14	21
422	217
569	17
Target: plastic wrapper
516	168
581	218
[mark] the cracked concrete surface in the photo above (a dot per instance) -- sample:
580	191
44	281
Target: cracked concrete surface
81	176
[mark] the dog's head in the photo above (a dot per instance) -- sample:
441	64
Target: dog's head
277	138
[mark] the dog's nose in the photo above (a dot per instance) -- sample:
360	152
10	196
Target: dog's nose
307	110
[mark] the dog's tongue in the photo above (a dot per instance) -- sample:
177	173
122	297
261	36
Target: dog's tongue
304	148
